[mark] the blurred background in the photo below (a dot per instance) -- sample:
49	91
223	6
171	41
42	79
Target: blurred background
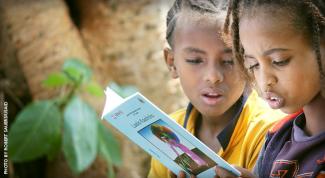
121	41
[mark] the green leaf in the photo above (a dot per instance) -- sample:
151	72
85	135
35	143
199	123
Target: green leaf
76	70
35	132
56	148
80	134
123	91
109	148
56	80
94	89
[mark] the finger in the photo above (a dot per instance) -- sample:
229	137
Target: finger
245	173
224	173
193	176
181	174
172	175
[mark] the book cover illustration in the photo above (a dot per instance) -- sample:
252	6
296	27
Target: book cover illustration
177	148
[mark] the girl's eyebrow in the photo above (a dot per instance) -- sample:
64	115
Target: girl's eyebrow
268	52
194	50
197	50
248	56
274	50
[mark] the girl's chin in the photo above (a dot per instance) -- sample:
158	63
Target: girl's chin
290	110
211	113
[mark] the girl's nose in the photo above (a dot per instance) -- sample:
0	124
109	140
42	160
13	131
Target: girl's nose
268	81
213	75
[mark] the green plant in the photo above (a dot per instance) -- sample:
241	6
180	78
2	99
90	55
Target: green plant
66	123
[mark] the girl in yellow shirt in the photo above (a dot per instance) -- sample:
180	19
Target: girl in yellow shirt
222	113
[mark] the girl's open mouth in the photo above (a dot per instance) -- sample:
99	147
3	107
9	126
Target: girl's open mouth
211	98
274	100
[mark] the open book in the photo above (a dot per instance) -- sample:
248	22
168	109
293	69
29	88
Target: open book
160	136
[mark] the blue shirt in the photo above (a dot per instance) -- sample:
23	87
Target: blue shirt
292	153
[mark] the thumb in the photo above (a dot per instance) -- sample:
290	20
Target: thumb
172	175
245	173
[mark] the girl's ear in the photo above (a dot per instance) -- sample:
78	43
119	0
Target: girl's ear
170	61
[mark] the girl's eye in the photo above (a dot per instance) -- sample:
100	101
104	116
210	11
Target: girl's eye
281	62
253	66
228	62
194	61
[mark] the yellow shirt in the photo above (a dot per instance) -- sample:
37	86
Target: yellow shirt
245	141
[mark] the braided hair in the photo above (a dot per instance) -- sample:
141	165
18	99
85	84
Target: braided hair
212	7
308	17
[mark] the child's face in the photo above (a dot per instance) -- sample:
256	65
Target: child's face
205	68
282	61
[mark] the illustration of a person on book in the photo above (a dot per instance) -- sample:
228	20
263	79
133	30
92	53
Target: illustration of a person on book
168	136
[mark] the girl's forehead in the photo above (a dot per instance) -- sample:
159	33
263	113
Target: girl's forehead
287	18
193	18
275	32
277	21
190	27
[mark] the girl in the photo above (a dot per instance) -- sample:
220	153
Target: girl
228	120
287	60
